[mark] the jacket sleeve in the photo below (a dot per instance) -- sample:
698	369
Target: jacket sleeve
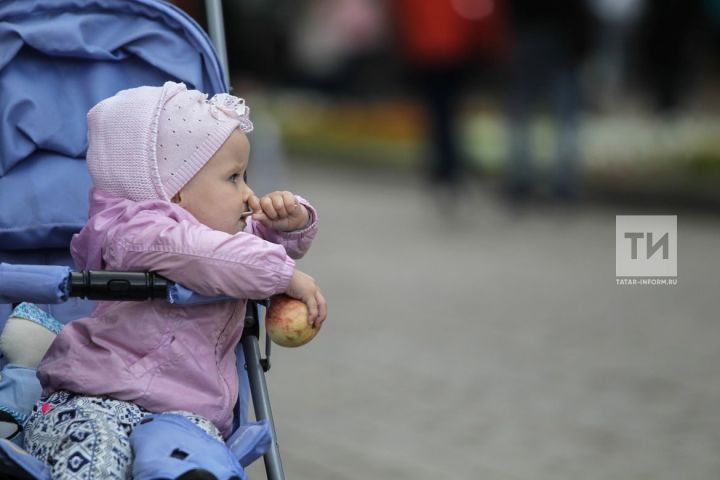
297	242
207	261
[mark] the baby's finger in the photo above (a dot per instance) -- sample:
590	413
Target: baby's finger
291	202
262	218
268	208
279	205
322	309
312	310
254	203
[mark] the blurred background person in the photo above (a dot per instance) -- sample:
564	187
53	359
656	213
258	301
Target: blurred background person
440	40
616	25
671	30
550	39
328	39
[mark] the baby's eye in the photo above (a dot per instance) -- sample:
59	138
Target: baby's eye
234	177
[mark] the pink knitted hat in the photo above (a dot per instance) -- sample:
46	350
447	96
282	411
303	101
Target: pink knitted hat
148	142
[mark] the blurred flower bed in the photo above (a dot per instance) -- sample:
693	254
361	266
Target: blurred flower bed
380	134
623	151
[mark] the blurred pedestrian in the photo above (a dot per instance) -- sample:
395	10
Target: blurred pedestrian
550	40
329	38
670	29
616	22
440	39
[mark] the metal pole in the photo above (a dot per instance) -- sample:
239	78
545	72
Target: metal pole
261	404
217	33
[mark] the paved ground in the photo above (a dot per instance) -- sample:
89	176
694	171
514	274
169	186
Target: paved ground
494	344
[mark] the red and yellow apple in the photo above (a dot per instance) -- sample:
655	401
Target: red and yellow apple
287	322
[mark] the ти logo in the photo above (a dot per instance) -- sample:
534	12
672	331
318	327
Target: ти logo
646	249
651	248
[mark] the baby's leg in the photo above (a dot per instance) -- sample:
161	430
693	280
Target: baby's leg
83	437
27	335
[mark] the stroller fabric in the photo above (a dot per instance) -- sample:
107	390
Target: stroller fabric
169	445
59	58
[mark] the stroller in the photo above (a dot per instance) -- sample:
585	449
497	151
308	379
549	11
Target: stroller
58	58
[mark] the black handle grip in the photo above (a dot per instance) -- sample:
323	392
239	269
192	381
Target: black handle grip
108	285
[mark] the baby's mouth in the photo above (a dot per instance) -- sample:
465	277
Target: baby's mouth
245	214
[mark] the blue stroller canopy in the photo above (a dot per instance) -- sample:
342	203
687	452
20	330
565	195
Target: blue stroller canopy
57	59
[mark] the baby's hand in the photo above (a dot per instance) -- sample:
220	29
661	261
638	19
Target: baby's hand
303	287
280	211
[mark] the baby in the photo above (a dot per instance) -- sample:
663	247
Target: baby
169	196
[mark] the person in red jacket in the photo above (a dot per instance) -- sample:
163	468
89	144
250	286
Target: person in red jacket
440	40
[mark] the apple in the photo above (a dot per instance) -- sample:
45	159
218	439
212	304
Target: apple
286	322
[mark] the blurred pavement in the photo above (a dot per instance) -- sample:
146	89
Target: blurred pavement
494	344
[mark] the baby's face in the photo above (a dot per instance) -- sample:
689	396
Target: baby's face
217	195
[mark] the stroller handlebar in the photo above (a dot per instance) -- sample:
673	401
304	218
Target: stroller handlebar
109	285
55	284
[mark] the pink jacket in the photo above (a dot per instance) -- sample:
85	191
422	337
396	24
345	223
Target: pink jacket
159	356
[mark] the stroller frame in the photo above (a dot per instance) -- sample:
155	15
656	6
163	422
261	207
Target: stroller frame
255	365
256	368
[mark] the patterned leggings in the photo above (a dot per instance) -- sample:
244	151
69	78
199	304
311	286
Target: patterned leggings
87	438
